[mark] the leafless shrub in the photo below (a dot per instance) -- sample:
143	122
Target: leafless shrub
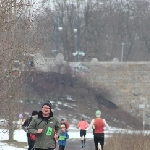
123	141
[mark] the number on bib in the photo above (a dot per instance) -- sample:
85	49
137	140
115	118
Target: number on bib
49	131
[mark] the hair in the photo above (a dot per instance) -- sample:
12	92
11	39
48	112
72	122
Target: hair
82	119
48	104
63	126
34	112
62	120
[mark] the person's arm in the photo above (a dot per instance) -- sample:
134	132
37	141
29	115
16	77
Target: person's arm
78	125
32	127
67	126
106	125
57	128
91	124
87	125
67	135
25	125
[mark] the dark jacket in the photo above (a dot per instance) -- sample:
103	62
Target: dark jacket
50	124
26	124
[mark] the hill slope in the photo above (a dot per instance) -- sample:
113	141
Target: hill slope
73	98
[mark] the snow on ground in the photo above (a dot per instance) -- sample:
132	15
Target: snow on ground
4	146
20	136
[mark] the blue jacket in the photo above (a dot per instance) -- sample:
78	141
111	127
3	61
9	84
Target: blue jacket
62	138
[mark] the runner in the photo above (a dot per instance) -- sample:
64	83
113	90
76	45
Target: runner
98	124
82	125
63	136
43	126
30	140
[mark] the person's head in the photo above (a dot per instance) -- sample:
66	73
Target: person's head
98	113
63	128
34	112
46	108
82	118
62	121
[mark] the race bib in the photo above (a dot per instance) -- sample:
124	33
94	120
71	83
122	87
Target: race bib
61	138
49	131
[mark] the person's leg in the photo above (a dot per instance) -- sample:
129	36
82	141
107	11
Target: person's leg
96	140
63	147
101	138
60	147
82	139
30	144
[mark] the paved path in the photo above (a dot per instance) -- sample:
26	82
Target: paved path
76	145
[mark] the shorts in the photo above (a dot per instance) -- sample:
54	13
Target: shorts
82	133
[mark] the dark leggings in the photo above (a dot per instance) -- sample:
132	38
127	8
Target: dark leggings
44	149
83	133
99	137
30	143
61	147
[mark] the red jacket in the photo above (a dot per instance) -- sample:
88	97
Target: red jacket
82	125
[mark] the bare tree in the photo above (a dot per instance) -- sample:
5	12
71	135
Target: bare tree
14	55
102	26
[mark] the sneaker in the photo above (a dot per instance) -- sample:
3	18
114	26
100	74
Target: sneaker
82	146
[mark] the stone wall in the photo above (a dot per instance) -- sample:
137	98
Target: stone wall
128	82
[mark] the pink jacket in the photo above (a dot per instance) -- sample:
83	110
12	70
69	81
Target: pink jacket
82	125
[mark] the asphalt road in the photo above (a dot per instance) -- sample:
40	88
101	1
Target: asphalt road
76	145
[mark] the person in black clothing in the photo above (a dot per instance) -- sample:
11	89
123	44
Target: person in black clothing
24	127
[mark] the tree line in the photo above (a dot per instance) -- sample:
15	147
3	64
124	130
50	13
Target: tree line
102	28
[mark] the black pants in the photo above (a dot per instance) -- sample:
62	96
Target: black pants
44	149
30	143
61	147
99	137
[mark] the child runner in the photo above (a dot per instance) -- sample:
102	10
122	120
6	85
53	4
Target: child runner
63	136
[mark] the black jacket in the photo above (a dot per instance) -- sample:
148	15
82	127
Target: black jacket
26	124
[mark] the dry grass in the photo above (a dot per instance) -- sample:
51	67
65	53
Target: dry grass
119	141
128	142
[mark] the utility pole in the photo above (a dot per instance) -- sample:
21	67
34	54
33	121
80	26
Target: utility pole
58	28
78	38
122	51
56	42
